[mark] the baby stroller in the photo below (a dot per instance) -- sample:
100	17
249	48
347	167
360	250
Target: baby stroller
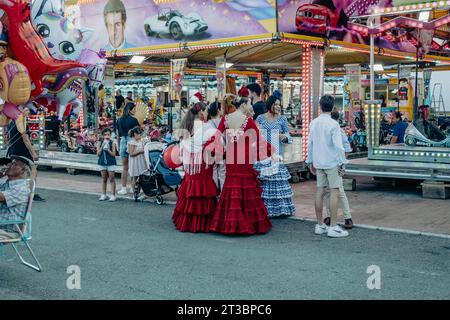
159	179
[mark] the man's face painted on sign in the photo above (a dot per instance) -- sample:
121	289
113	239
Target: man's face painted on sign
116	28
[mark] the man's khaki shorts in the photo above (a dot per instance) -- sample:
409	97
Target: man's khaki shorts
329	178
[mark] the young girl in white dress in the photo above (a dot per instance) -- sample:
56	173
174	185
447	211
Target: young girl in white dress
137	163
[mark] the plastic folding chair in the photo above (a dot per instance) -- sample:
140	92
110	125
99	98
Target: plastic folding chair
23	228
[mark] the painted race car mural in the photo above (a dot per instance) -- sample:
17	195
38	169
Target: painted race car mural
128	24
346	20
326	18
175	24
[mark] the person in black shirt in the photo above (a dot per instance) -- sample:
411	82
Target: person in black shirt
124	124
120	100
259	107
129	97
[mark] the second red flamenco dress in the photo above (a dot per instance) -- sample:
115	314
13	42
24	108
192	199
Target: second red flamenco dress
241	209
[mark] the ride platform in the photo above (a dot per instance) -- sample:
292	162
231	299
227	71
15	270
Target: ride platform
410	154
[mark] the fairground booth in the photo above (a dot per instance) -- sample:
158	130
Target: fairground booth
377	57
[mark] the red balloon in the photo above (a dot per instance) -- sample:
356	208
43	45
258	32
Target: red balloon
172	157
28	47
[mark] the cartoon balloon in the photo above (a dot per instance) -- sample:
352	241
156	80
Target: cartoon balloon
12	111
62	101
28	47
15	83
61	81
62	39
63	96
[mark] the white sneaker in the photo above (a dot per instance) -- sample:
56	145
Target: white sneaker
321	229
112	198
103	197
122	191
337	232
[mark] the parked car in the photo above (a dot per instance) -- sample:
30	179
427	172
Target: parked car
175	24
316	18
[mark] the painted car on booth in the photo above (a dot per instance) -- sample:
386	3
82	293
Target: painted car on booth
316	18
175	24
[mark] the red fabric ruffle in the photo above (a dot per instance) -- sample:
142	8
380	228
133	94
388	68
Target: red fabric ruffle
241	209
192	188
197	217
196	204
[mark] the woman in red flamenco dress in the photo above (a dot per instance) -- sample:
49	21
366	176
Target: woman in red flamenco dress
241	209
197	195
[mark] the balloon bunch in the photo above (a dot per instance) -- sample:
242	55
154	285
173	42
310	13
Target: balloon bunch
49	61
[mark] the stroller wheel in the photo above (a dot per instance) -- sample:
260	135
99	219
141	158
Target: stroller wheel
159	200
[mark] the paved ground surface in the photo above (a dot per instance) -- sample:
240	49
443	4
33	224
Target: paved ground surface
128	250
374	204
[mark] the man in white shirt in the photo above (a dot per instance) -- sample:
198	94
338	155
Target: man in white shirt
326	158
348	221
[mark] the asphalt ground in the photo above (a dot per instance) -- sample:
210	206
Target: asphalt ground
127	250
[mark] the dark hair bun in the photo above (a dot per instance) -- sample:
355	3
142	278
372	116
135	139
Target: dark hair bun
270	102
135	130
196	108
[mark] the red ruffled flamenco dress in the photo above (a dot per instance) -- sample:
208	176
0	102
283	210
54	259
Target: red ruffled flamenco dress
241	209
197	195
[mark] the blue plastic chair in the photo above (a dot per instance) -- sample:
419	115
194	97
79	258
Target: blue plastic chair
23	228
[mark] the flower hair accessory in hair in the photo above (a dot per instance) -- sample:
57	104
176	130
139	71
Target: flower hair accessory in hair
199	96
230	103
244	92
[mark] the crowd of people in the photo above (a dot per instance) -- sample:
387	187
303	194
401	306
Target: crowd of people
235	179
232	154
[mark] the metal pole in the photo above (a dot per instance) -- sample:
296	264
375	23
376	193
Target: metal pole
416	96
398	87
170	101
170	119
372	62
277	17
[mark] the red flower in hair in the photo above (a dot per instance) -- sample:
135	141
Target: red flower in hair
199	96
243	92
